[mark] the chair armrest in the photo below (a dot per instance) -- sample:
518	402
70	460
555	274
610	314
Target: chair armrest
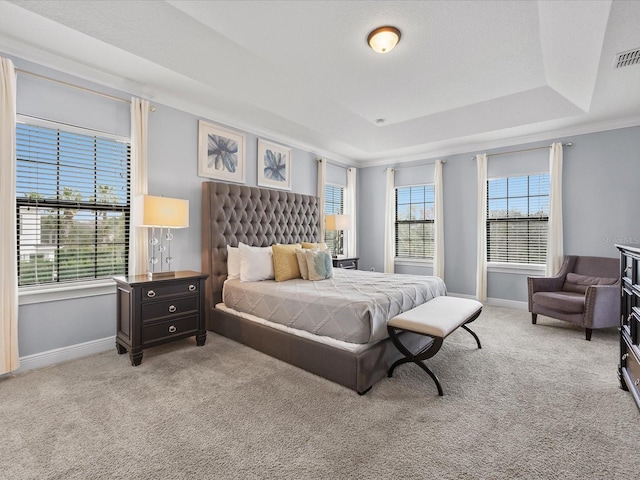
602	306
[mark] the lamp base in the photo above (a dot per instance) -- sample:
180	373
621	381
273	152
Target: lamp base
156	275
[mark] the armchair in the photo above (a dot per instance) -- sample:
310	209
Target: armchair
585	292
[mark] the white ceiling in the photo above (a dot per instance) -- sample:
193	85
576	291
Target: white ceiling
465	75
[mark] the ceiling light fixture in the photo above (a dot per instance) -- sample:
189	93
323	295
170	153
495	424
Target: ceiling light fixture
383	39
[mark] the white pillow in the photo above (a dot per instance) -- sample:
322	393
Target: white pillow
256	263
320	264
302	263
233	262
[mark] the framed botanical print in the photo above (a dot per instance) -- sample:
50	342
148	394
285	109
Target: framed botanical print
220	153
274	165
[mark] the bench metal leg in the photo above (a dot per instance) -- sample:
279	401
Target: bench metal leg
417	358
471	331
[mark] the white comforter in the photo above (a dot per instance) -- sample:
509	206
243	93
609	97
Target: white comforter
353	306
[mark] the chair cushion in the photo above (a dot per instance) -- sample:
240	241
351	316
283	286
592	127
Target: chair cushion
578	283
568	302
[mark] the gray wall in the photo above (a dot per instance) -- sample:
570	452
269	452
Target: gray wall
600	199
172	172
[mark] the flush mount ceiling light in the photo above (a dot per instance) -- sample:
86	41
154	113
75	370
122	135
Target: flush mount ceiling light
383	39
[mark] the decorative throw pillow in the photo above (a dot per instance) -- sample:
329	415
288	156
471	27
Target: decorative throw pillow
256	263
233	262
285	262
302	263
319	263
318	246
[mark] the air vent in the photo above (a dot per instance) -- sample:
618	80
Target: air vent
625	59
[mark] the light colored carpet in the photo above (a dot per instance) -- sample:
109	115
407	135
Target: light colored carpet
535	402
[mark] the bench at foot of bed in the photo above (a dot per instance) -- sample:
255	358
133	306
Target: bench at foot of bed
437	318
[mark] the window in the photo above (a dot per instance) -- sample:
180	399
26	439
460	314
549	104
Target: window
334	205
72	195
415	212
517	219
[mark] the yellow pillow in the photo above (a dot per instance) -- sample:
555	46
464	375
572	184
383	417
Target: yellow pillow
285	262
320	246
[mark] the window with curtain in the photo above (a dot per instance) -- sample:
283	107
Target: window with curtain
414	226
517	219
72	195
334	205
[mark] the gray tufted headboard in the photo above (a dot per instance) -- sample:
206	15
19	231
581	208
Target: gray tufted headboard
255	216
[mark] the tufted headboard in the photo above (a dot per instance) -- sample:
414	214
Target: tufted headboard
255	216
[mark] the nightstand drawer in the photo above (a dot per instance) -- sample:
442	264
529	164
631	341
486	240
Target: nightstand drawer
348	263
160	291
169	328
165	308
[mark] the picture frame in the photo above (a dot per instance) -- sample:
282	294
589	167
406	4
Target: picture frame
274	165
221	153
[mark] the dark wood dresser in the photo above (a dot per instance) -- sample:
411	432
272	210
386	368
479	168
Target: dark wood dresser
156	311
629	368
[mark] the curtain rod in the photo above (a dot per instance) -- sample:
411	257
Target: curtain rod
78	87
569	144
337	164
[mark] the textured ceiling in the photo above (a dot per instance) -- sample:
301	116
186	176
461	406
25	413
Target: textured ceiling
465	75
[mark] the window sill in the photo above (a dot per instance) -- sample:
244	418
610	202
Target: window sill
50	293
418	262
516	268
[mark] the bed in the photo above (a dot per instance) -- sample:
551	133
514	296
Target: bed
261	217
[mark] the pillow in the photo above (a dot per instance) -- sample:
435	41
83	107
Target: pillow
285	262
578	283
233	262
256	263
319	246
319	263
302	263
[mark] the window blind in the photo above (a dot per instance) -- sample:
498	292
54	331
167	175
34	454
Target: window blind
333	205
72	195
415	213
517	219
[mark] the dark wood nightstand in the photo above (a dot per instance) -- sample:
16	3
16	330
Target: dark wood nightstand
156	311
348	263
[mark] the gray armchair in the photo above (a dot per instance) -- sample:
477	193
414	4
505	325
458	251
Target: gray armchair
585	292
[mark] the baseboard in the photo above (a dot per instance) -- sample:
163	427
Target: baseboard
496	302
64	354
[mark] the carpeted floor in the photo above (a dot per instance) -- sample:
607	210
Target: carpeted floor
537	402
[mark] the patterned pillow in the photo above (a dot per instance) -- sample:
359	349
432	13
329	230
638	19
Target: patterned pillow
319	263
285	262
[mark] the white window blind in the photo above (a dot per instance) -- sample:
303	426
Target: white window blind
415	214
517	219
334	205
72	194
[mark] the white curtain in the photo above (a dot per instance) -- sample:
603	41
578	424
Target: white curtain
481	250
9	358
322	176
138	236
389	224
438	255
555	254
351	211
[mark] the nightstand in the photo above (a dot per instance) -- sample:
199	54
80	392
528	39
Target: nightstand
153	312
348	263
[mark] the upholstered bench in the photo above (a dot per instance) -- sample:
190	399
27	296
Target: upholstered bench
437	318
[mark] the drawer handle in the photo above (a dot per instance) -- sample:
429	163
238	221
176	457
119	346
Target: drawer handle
637	382
172	308
172	329
624	357
192	288
151	294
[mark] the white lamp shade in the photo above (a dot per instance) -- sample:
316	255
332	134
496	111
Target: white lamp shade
163	211
337	222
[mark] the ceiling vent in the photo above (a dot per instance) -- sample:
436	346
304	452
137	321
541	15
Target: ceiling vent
625	59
